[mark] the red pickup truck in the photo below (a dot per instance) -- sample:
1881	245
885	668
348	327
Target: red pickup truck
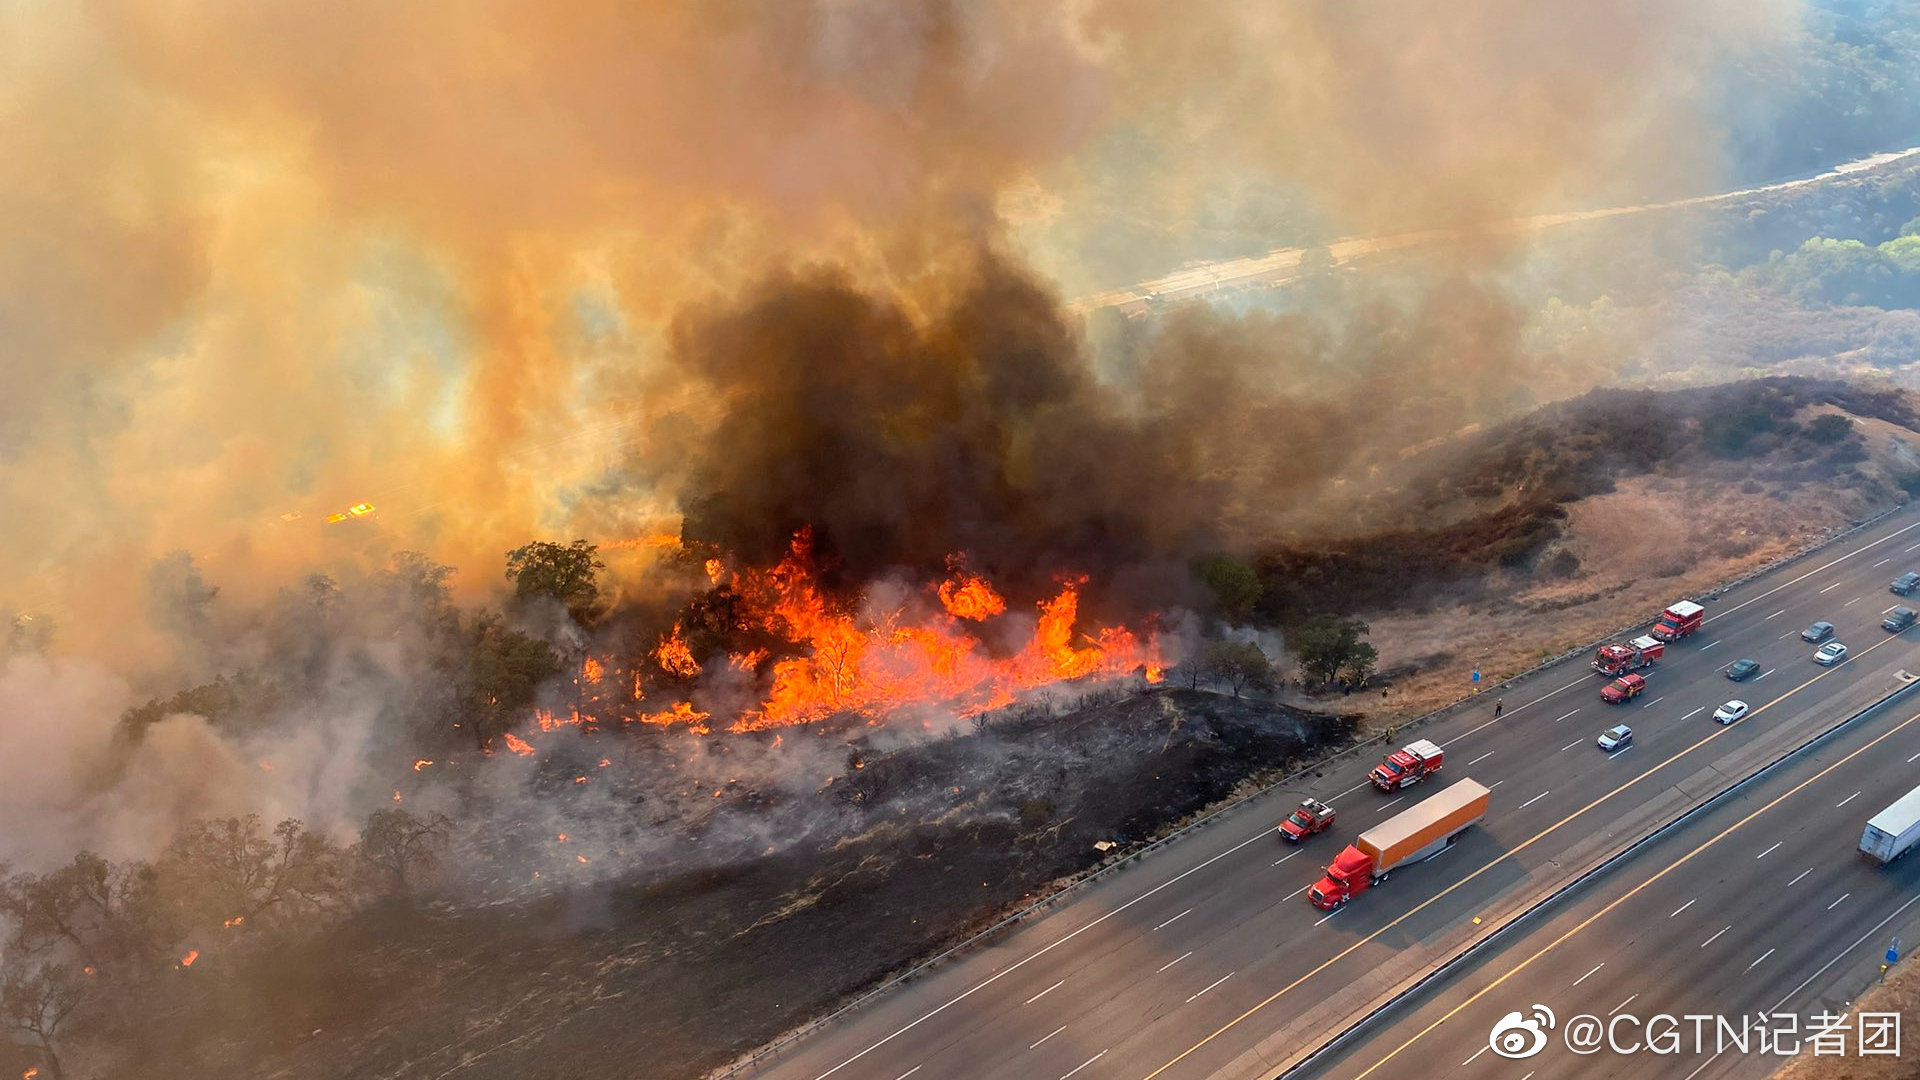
1310	817
1623	689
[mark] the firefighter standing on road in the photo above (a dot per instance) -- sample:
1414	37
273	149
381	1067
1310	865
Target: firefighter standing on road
1499	706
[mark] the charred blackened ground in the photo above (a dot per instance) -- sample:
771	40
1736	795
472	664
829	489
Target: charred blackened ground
668	977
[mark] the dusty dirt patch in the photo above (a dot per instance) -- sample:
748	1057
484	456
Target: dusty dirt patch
1901	994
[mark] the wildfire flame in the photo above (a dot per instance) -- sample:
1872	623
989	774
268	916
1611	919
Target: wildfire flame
968	596
397	798
187	960
657	540
874	665
680	713
675	657
237	920
843	659
30	1074
421	763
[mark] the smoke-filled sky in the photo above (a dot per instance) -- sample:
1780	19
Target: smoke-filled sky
456	262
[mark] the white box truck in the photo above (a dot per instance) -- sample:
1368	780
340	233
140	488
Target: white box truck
1893	830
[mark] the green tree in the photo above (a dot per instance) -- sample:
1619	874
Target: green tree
503	672
402	845
1234	584
179	595
106	915
567	573
1829	428
36	997
232	872
1239	664
1328	643
1359	666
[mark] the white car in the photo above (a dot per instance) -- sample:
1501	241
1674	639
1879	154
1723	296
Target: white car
1618	737
1731	711
1830	654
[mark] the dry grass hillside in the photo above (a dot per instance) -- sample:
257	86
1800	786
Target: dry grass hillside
1559	528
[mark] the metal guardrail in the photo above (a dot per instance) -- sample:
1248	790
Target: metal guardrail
1119	861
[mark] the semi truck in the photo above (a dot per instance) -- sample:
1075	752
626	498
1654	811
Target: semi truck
1641	652
1410	764
1419	832
1892	831
1679	620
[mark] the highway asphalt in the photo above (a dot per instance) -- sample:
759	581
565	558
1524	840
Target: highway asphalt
1761	905
1205	960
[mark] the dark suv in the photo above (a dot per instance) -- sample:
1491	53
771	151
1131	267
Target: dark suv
1905	583
1898	619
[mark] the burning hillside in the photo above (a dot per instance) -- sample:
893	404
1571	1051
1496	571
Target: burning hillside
766	648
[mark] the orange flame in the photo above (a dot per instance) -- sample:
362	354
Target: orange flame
591	670
518	745
604	762
396	797
675	657
968	596
421	763
680	713
237	920
548	721
30	1074
869	666
580	780
657	540
187	960
582	859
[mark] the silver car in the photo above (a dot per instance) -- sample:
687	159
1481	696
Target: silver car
1617	737
1830	654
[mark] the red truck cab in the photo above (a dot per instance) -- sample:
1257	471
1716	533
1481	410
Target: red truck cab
1679	620
1310	817
1625	688
1348	875
1408	765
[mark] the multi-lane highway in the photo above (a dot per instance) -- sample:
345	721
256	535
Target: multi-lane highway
1759	906
1206	960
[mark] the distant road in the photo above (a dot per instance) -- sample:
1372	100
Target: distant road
1206	961
1282	264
